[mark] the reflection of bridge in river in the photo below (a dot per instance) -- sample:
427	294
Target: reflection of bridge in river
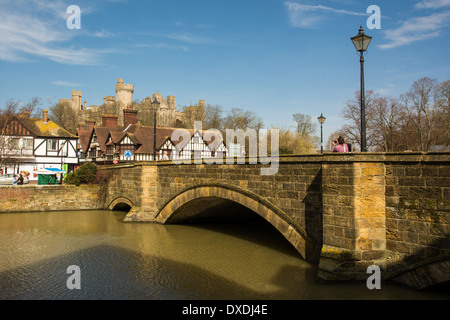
342	211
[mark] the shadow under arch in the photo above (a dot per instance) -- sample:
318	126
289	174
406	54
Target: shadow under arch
200	198
121	204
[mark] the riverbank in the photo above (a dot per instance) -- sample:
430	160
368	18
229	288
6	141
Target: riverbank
32	197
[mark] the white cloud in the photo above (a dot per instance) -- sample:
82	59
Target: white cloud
36	28
188	38
181	37
161	46
67	84
432	4
416	29
307	16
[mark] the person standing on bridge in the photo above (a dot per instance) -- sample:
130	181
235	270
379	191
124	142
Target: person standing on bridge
340	145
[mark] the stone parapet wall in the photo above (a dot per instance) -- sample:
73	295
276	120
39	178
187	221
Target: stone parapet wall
417	215
30	198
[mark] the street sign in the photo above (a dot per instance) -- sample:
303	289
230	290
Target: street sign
127	154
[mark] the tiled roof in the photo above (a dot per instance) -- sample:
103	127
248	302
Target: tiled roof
141	135
40	129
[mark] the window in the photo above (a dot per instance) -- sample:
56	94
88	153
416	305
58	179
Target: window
28	144
92	153
52	144
125	147
197	154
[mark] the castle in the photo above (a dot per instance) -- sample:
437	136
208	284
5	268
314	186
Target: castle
167	114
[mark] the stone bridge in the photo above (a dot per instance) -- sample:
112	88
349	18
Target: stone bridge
342	212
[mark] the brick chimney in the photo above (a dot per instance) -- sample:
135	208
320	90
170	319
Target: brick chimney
90	124
25	114
109	120
129	117
44	116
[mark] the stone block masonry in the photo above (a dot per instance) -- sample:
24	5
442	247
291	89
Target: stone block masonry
418	220
343	212
30	198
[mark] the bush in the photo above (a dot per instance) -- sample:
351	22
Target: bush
84	174
72	178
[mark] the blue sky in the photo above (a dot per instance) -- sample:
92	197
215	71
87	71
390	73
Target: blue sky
273	57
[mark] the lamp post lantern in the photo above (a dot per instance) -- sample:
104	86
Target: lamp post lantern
155	105
321	121
361	42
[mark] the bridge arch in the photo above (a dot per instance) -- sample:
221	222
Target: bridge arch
120	203
296	235
424	274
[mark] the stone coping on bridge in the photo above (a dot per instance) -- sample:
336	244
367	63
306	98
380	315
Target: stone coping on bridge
386	157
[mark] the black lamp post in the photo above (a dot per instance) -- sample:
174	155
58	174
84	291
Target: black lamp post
321	121
361	42
155	105
61	154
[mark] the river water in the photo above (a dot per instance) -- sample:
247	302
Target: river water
117	260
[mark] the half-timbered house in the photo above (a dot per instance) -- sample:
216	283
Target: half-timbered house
28	144
110	143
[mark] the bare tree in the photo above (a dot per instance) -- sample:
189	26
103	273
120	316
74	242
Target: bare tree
63	115
443	112
419	102
386	119
240	119
6	143
32	107
352	113
304	125
213	117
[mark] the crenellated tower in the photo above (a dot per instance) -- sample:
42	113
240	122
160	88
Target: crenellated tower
76	99
75	103
124	93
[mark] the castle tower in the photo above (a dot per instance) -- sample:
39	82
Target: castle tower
156	95
76	100
124	93
171	102
109	100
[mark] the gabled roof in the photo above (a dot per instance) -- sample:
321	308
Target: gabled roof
85	137
142	136
38	128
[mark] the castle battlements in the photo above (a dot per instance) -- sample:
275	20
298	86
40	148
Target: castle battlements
120	86
168	114
76	93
